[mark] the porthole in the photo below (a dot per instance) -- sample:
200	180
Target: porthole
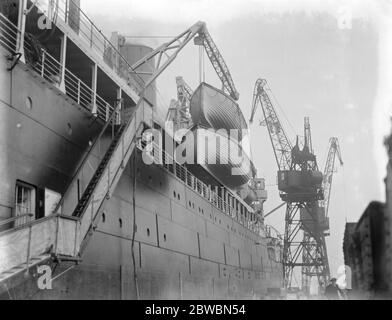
148	232
29	103
69	129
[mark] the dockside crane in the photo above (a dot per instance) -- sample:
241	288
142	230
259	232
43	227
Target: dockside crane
167	52
321	228
299	184
179	110
333	152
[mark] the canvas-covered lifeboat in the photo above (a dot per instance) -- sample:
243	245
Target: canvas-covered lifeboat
228	159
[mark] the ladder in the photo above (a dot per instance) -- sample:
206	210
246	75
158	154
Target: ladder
67	234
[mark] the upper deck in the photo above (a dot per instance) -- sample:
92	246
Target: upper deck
59	41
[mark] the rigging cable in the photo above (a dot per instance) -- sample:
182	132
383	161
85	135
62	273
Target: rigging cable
282	110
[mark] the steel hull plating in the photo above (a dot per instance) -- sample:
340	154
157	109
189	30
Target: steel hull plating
184	246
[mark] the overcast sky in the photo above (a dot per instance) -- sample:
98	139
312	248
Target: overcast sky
318	61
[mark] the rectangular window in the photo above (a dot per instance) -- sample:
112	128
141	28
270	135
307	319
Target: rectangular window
25	203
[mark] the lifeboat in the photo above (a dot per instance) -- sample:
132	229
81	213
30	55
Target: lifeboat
212	108
221	156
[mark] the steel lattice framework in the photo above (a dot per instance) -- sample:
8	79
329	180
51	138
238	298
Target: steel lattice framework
322	272
184	94
303	246
167	52
281	144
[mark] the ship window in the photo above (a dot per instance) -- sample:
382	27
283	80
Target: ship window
25	199
175	194
120	222
69	129
179	197
148	232
164	237
103	218
190	204
29	103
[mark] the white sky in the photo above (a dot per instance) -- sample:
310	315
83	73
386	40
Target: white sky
216	11
340	78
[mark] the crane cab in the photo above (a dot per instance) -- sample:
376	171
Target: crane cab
298	186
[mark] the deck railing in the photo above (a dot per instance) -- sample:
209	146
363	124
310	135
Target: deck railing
92	36
243	216
17	221
50	69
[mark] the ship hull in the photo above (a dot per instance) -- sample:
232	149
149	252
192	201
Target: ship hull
184	246
179	252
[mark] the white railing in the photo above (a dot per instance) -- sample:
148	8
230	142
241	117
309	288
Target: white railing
92	36
244	217
50	69
8	34
17	221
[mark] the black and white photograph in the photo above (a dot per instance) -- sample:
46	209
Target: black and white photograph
215	152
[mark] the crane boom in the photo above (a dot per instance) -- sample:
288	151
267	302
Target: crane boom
184	95
281	144
167	52
334	150
184	91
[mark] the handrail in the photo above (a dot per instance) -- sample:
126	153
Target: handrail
13	219
86	156
100	42
200	187
50	68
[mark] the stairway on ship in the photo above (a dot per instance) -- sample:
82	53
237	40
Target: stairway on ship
64	235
